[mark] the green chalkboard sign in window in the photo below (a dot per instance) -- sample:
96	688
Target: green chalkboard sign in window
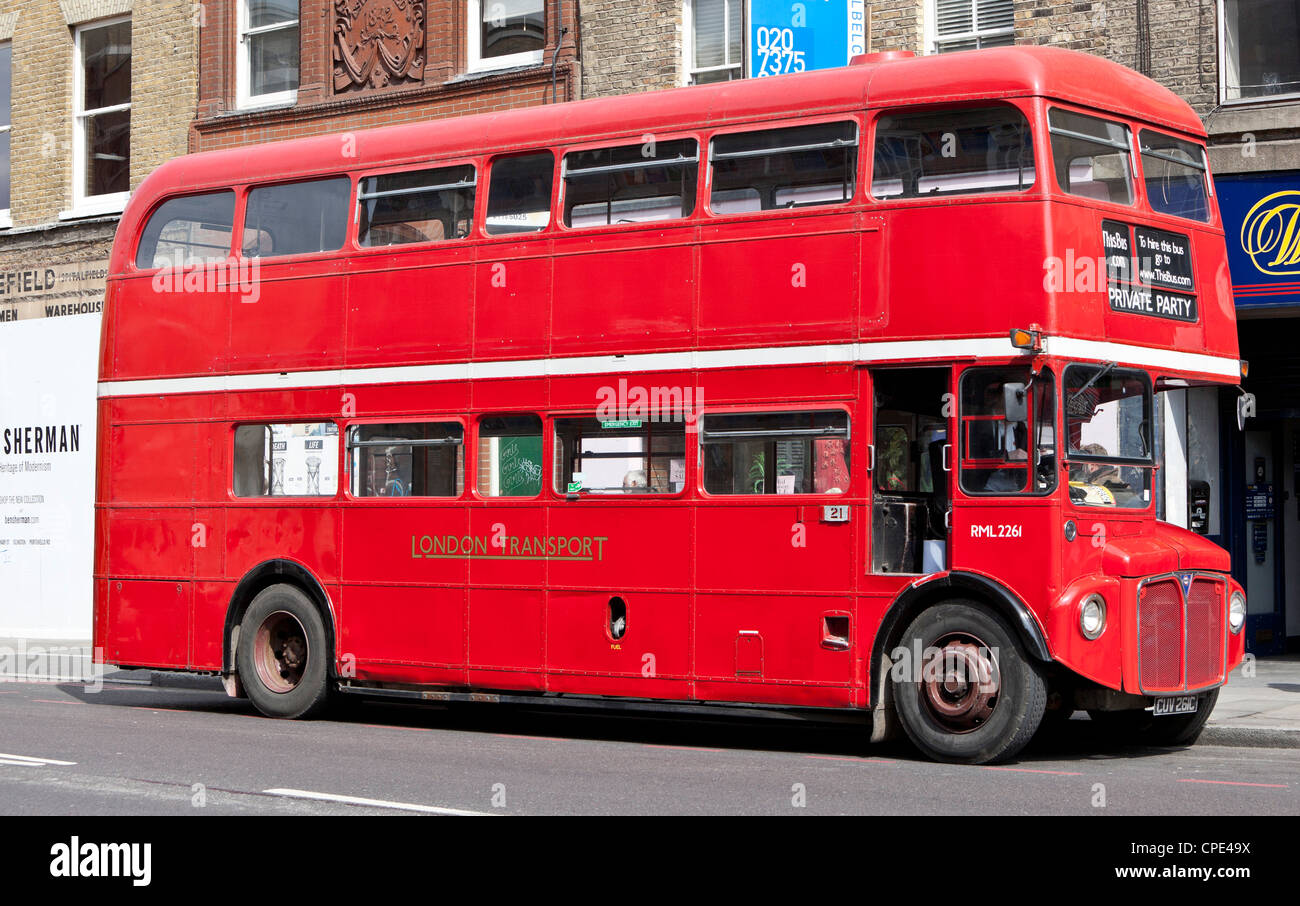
511	448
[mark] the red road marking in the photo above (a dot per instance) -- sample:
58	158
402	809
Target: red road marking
682	748
391	727
1274	786
993	767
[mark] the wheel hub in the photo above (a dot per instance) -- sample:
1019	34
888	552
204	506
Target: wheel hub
280	652
961	683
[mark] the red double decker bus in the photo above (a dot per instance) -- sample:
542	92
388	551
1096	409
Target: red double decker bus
830	391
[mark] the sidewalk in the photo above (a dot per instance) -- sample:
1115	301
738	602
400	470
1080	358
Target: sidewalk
1259	710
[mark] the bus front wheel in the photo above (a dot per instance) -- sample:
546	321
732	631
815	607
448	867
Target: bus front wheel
282	654
968	694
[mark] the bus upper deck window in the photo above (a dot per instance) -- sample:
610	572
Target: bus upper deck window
510	456
519	194
952	152
1173	171
630	184
297	218
424	459
784	168
188	231
1092	157
776	453
417	206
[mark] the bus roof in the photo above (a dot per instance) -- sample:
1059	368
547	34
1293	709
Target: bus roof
998	72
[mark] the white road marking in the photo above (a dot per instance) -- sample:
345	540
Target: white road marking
375	803
30	762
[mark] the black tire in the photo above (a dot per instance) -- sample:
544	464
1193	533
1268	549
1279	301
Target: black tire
283	653
1141	727
1011	703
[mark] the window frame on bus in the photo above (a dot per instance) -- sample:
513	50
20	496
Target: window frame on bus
345	445
555	465
1024	106
561	185
1211	206
235	217
964	462
704	203
268	499
474	435
1066	457
781	408
1125	209
245	191
354	222
483	199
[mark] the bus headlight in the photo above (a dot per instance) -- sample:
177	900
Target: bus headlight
1092	616
1236	612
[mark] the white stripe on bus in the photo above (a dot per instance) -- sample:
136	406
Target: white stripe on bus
877	352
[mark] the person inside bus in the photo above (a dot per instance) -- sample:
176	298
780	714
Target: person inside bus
635	482
1011	478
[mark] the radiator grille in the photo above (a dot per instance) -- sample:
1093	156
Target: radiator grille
1205	611
1160	636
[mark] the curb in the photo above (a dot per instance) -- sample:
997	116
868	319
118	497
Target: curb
1250	737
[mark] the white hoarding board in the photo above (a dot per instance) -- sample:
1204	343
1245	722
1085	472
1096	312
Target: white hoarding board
47	476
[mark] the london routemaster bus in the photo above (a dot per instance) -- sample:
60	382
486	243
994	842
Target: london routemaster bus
831	394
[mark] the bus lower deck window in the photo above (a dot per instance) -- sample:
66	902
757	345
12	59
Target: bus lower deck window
417	206
776	453
424	459
952	152
784	168
286	460
620	456
1007	433
509	456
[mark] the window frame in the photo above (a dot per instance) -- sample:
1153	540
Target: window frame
6	219
349	245
483	199
562	182
1034	424
346	446
933	39
1137	187
1030	115
267	498
1223	61
244	98
475	62
1066	457
556	465
704	202
689	69
83	204
145	222
845	496
1207	180
354	227
472	462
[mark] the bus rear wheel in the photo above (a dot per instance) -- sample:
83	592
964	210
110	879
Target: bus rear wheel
282	654
975	697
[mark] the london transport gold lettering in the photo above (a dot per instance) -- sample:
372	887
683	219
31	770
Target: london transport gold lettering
581	548
1270	233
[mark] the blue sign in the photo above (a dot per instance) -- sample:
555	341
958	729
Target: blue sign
1261	224
787	36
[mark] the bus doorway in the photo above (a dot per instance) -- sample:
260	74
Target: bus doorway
910	473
